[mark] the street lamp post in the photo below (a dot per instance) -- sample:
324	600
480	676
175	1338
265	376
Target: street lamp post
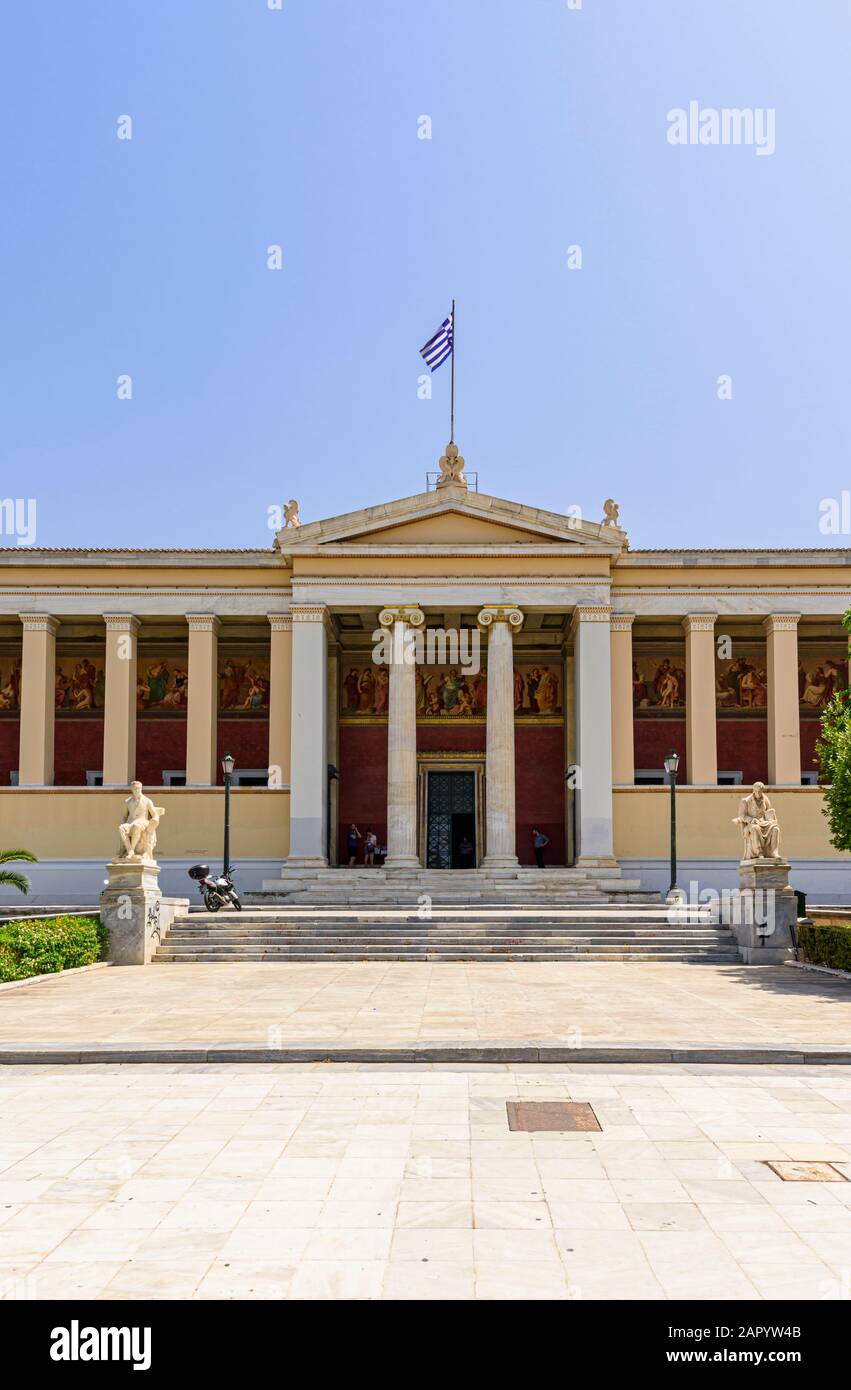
227	769
672	762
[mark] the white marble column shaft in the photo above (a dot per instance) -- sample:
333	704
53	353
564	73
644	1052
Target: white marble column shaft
309	755
593	665
402	738
500	622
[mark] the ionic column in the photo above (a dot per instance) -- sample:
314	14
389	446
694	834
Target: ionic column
784	719
38	700
701	741
309	766
119	713
623	740
593	681
202	699
402	737
500	621
280	698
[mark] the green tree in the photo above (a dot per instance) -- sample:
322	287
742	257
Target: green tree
833	752
12	877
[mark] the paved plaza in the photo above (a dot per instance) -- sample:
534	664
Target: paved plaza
396	1003
276	1181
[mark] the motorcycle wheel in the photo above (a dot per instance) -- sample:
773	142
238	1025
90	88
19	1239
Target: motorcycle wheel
212	901
234	897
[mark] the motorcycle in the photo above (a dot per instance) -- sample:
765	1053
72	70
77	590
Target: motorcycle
216	891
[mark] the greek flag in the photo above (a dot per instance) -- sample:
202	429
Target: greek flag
439	347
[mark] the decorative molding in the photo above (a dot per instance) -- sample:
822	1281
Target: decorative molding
700	622
781	622
501	613
39	622
280	622
592	613
202	622
409	613
314	613
122	623
382	580
622	622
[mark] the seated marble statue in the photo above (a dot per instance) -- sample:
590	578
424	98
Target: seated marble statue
138	830
757	820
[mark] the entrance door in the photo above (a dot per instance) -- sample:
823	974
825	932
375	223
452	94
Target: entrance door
451	812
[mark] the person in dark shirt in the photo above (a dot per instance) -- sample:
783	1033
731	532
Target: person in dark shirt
540	842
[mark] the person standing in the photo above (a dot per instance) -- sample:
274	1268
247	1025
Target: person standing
540	842
370	845
352	838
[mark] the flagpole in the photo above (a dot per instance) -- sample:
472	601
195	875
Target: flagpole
452	397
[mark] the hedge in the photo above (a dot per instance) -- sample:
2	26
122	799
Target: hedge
43	946
825	945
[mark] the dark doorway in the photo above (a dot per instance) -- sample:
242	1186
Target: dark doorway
451	831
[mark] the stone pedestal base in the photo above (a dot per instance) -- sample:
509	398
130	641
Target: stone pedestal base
764	923
130	907
500	861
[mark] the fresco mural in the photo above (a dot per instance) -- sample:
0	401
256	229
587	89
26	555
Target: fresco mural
822	673
447	692
742	683
658	679
243	684
79	684
162	684
10	685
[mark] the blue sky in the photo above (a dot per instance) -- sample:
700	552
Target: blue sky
298	127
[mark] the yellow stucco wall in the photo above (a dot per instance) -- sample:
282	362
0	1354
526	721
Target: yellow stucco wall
704	822
81	823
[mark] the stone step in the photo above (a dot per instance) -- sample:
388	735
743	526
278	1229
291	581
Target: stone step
719	957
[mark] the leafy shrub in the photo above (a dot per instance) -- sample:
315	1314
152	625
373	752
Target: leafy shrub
823	944
41	947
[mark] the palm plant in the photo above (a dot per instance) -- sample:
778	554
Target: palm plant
11	876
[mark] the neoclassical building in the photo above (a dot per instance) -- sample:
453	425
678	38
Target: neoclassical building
548	670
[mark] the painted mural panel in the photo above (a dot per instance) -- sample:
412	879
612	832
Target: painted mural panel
448	692
822	673
243	684
162	683
741	682
79	684
658	679
10	685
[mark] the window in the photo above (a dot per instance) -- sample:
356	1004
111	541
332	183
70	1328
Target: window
94	779
650	777
809	779
174	777
729	779
251	777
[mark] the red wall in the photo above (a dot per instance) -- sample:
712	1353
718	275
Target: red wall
540	766
743	743
362	786
10	742
810	731
539	763
78	749
160	744
654	740
246	739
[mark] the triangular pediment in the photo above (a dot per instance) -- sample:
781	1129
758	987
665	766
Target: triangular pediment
453	517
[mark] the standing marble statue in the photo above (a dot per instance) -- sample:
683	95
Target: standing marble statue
757	821
138	830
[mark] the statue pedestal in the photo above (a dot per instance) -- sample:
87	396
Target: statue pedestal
764	923
130	907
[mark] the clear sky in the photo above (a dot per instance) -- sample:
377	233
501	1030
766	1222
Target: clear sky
298	126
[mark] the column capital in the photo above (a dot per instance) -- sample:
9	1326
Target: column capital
409	613
122	622
591	613
39	622
501	613
700	622
202	622
280	622
312	613
781	622
622	622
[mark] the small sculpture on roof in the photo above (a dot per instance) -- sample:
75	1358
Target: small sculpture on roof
611	511
291	516
451	467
